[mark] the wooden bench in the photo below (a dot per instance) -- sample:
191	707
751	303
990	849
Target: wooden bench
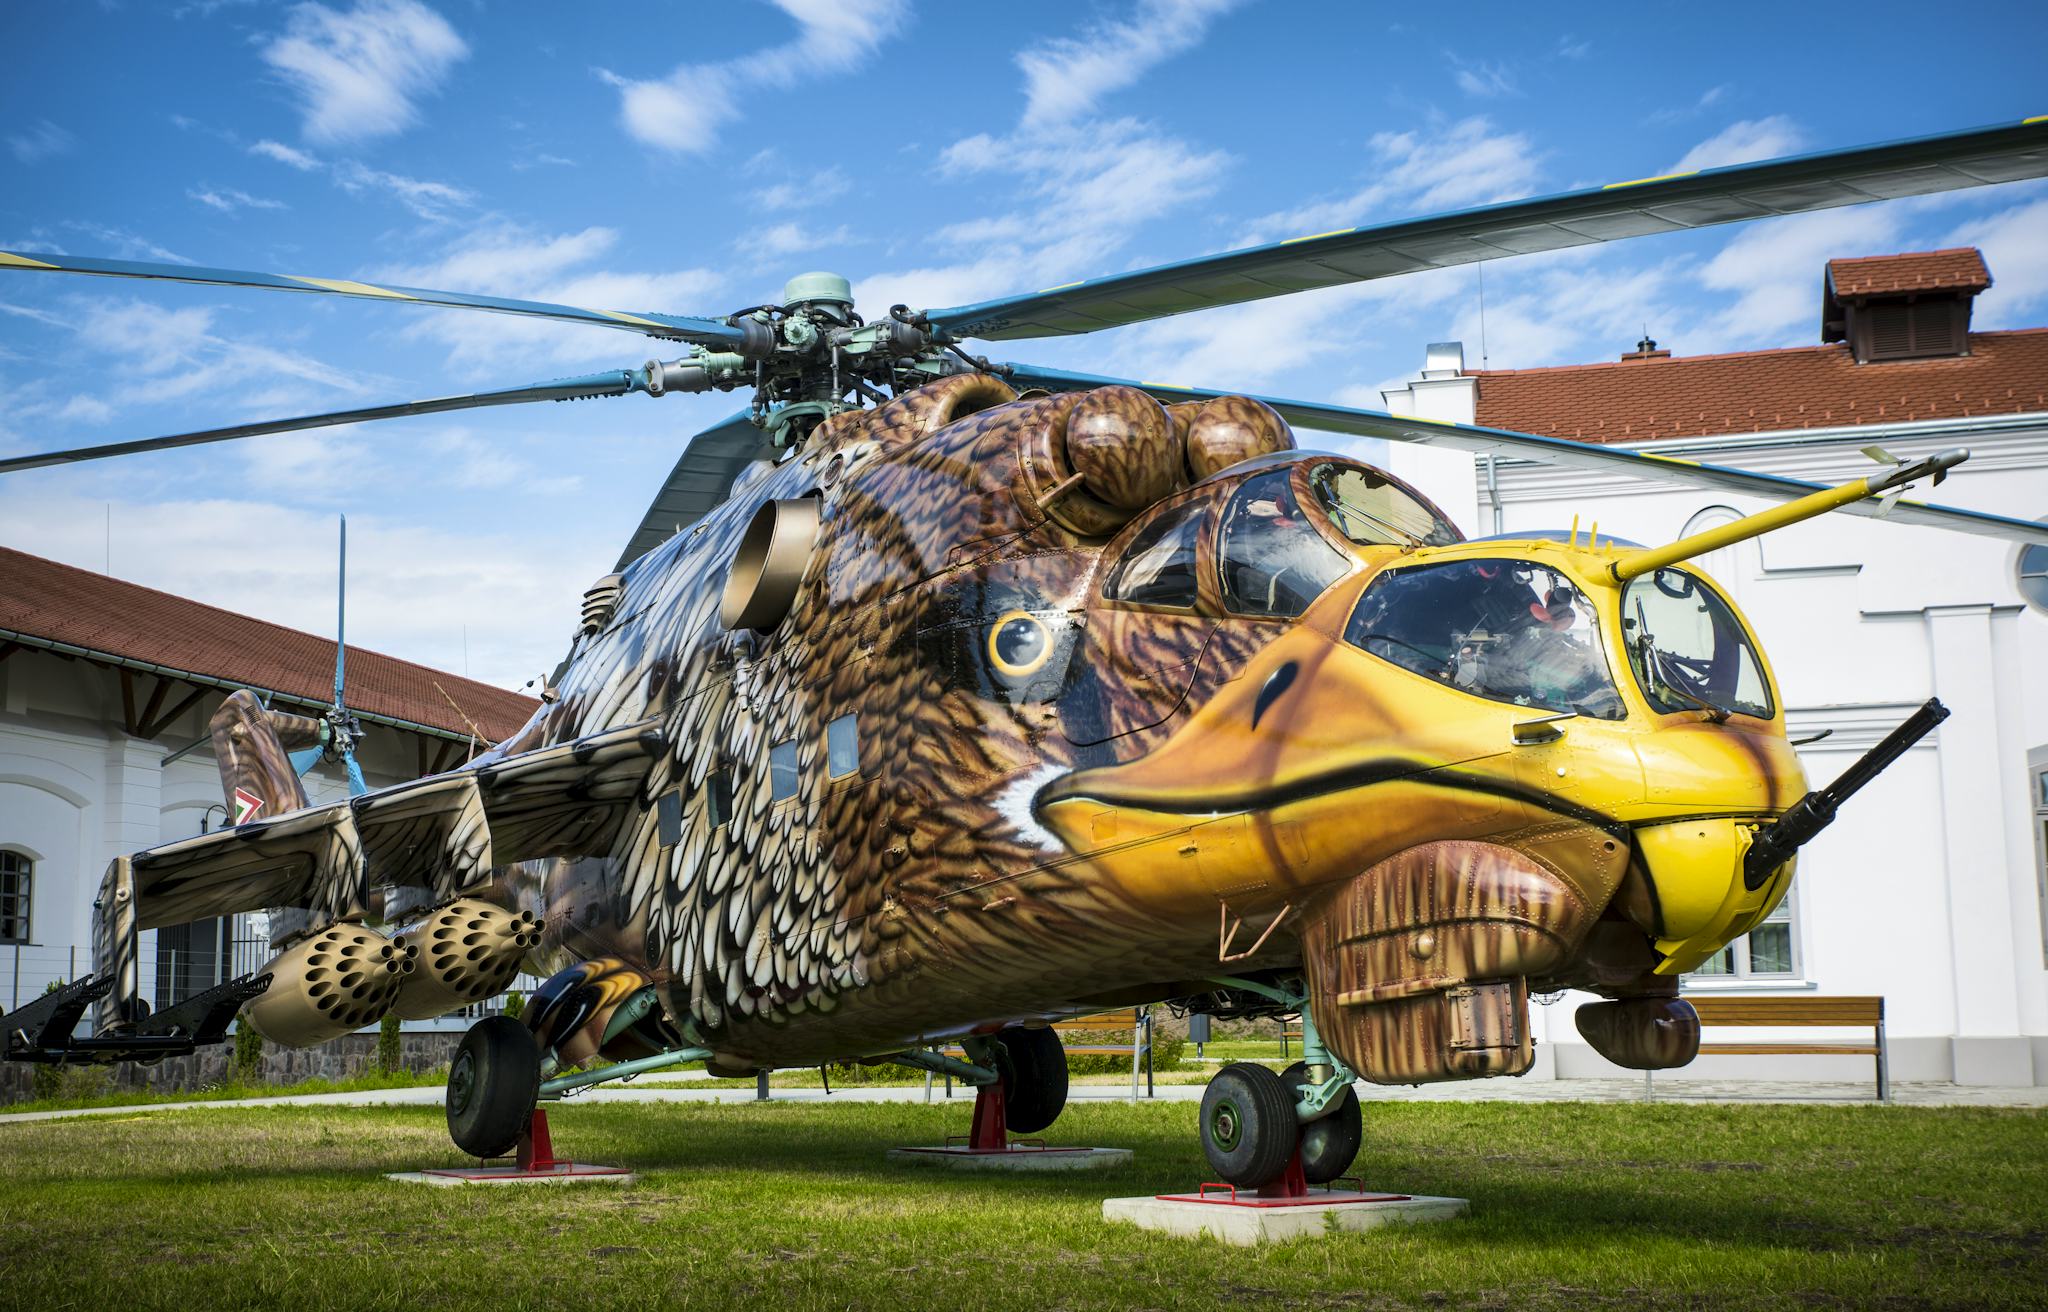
1290	1032
1730	1010
1138	1021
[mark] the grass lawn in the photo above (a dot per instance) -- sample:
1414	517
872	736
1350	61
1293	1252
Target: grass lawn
790	1205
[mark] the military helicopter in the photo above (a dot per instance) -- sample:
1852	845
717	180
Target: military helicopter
966	695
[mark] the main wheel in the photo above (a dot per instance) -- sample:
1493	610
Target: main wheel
1329	1144
1033	1064
1249	1128
493	1084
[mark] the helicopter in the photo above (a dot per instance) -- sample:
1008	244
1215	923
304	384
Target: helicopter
964	696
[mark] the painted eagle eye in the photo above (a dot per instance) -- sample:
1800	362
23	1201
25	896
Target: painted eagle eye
1019	645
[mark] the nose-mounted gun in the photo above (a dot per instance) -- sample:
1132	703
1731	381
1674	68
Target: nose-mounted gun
1816	811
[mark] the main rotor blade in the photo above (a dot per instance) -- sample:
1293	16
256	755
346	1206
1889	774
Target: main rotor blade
617	383
1635	208
1557	451
702	478
706	332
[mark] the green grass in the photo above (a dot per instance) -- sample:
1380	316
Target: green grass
792	1206
231	1089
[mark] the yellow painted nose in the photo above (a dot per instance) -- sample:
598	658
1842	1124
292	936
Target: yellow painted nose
1699	898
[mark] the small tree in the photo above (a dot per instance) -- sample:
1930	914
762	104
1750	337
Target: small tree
515	1005
247	1067
390	1059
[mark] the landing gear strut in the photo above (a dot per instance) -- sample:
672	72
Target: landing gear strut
1280	1133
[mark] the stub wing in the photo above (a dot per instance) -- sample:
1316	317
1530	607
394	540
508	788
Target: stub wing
444	833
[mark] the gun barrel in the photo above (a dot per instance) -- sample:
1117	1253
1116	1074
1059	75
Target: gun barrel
1815	811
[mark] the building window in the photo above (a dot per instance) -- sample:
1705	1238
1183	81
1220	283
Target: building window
2032	569
17	886
1770	951
782	771
718	796
842	748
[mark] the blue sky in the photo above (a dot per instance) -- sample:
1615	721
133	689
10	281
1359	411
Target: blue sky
689	158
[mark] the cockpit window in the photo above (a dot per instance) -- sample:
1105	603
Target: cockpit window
1158	567
1370	508
1273	560
1511	630
1688	650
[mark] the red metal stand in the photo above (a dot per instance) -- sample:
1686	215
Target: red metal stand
988	1134
537	1147
1293	1183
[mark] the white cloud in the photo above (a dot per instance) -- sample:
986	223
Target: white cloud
284	154
1067	77
358	74
179	354
1773	268
1741	142
2018	259
43	141
781	240
1485	79
1470	163
434	201
805	192
227	200
504	259
683	112
515	590
121	243
1571	47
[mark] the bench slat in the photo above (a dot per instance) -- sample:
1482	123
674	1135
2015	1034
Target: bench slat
1821	1049
1788	1011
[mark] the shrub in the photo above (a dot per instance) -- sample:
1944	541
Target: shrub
247	1065
515	1005
390	1053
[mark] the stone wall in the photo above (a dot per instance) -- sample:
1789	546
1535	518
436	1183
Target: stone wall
350	1055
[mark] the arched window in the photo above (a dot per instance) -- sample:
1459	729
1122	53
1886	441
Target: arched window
17	886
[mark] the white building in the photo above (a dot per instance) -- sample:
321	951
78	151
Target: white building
1929	889
105	693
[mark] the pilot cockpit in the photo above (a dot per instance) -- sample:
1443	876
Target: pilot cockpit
1509	630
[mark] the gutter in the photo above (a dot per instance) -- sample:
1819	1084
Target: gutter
223	685
1863	433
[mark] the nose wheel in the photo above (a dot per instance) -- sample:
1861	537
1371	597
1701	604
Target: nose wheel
493	1084
1249	1129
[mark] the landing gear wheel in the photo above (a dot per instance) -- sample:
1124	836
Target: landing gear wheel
1249	1130
1033	1064
1329	1144
493	1084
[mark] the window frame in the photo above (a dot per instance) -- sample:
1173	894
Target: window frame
1288	478
852	720
25	872
795	771
1197	503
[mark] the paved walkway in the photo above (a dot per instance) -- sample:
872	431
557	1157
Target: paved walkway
1631	1090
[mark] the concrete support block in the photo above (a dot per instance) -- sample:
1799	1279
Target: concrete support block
1246	1224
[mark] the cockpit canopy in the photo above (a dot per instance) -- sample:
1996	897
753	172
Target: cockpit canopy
1280	536
1687	649
1511	630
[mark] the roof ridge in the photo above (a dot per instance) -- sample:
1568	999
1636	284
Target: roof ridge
1841	347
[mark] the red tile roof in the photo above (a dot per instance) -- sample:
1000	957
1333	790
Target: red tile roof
59	603
1763	391
1960	268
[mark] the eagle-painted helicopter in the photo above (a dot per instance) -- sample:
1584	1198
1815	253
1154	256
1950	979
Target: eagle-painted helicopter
971	695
